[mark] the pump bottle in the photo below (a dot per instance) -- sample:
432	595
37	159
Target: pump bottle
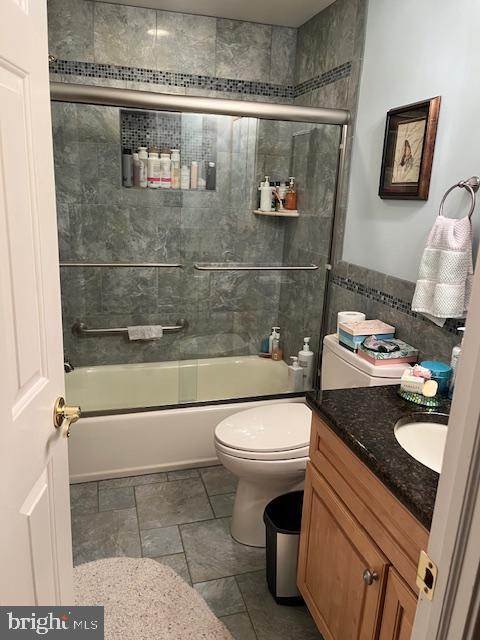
456	351
305	360
295	375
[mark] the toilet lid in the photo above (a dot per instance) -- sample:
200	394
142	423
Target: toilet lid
274	427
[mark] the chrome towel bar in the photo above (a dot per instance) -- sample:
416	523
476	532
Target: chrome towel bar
160	265
471	185
232	266
80	329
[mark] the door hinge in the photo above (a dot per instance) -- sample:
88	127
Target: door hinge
426	575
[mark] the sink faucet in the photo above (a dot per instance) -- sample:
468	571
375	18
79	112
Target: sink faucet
68	367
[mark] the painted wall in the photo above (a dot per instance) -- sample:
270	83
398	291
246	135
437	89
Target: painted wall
414	51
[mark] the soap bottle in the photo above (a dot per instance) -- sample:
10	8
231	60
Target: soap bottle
277	353
266	195
456	351
175	168
153	168
291	196
272	337
295	375
143	157
305	359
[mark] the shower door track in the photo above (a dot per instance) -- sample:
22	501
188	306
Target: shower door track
132	99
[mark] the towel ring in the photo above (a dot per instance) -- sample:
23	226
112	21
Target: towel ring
471	184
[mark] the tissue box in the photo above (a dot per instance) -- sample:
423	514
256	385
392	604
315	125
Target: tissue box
352	334
406	354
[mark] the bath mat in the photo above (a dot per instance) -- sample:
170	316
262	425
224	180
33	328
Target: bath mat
145	600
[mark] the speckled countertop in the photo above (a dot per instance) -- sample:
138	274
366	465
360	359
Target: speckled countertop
364	419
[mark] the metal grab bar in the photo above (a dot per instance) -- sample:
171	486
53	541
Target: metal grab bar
229	266
80	329
161	265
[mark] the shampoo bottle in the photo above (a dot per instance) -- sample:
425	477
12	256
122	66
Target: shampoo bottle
185	177
295	375
456	351
136	169
153	168
272	337
175	168
165	171
305	359
143	157
194	175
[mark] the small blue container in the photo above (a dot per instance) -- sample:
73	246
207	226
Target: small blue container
441	373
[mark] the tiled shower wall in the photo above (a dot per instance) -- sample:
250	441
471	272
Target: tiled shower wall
228	313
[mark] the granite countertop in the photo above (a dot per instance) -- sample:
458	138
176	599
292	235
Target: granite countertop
364	419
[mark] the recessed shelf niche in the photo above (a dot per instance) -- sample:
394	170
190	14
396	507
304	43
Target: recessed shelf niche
195	135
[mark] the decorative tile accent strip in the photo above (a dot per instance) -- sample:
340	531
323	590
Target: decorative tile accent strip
133	74
212	83
388	300
337	73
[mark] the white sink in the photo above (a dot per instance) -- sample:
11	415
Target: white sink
423	436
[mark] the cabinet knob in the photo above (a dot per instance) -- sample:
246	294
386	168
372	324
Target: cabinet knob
369	577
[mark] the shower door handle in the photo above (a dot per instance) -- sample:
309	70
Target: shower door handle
65	415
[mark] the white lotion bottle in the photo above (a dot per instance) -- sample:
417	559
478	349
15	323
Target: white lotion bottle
266	195
295	375
143	157
305	360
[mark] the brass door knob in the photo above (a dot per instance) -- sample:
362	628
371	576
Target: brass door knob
369	577
65	415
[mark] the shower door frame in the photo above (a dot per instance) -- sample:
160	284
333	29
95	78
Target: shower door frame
147	100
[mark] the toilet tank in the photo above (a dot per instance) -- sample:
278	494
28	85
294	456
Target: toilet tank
343	369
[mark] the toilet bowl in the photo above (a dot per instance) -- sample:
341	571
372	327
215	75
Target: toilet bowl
267	449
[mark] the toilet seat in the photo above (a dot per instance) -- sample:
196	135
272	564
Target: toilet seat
300	452
282	430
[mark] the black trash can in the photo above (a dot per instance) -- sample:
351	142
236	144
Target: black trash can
283	517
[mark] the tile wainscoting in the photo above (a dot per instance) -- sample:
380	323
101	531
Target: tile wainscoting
379	295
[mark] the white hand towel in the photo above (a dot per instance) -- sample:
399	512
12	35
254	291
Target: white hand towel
147	332
446	271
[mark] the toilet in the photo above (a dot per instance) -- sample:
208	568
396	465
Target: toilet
267	447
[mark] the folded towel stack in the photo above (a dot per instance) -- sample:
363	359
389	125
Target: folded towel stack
446	271
145	332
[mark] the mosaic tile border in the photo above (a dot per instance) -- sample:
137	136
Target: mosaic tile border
211	83
337	73
388	300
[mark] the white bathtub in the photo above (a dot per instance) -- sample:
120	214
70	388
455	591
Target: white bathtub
124	444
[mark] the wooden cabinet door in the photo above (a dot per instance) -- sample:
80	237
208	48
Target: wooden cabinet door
399	609
335	551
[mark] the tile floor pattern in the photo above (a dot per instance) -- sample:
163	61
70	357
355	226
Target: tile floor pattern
182	518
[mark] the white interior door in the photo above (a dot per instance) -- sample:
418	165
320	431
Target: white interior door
35	543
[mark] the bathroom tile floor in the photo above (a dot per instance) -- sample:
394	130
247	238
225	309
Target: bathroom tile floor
182	518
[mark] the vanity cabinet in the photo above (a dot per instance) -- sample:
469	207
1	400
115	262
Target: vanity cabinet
398	610
359	547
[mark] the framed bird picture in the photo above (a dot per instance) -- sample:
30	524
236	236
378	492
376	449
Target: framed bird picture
408	147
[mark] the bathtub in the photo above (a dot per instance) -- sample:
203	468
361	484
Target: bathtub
130	442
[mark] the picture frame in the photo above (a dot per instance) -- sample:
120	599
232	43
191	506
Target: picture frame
408	148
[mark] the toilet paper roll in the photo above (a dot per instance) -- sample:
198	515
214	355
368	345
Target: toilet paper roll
349	316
